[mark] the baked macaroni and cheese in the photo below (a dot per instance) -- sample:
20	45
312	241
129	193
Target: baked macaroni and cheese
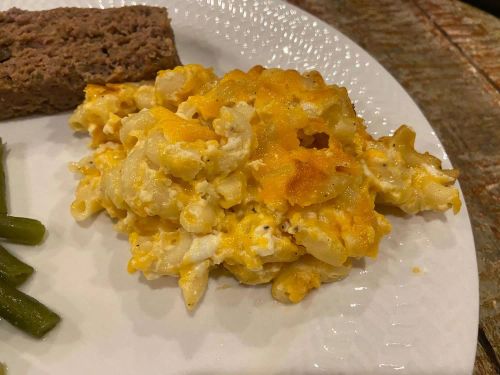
269	174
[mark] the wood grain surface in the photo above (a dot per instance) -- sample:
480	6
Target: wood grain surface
446	54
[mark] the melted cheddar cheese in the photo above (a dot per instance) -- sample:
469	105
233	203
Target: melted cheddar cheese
267	173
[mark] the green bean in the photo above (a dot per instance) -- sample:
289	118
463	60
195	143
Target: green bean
25	312
12	270
3	200
21	230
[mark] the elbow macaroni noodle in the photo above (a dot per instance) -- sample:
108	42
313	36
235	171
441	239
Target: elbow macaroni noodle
269	174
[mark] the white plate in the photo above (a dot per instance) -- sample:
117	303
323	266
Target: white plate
380	319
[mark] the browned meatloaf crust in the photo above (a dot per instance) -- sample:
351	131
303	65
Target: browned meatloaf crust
47	57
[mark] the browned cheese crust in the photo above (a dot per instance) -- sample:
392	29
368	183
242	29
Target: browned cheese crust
47	57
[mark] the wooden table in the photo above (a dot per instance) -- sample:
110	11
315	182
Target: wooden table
447	56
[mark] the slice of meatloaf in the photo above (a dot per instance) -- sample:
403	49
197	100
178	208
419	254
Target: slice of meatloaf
47	57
